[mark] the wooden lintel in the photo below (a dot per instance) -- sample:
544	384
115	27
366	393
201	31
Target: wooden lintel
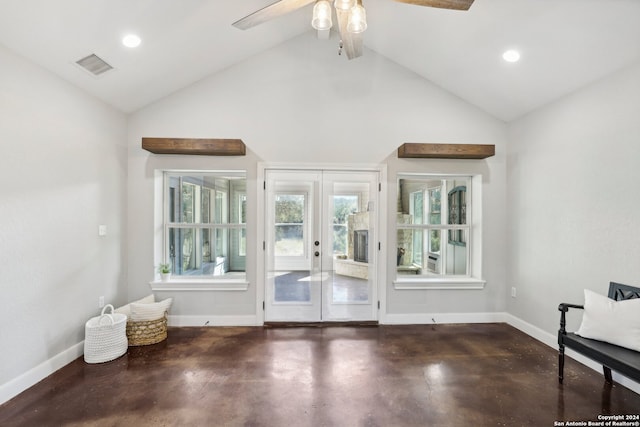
195	146
411	150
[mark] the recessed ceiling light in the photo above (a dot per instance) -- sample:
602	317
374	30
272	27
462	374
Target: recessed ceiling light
511	56
131	40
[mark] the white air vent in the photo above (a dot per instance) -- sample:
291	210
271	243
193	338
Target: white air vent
94	64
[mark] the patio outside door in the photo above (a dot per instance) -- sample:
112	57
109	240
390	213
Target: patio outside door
321	246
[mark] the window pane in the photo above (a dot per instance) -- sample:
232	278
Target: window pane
205	206
289	226
434	241
405	253
204	251
182	250
457	200
417	247
242	241
456	257
222	239
416	207
220	208
242	208
188	203
435	204
207	245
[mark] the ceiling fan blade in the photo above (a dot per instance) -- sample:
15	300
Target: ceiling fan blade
443	4
352	44
267	13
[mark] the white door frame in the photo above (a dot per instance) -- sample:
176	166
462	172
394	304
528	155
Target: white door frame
261	227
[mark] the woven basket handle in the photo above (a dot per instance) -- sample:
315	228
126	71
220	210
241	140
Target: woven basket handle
109	316
105	308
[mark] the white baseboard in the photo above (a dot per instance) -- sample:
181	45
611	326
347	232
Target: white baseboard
11	389
204	320
435	318
552	341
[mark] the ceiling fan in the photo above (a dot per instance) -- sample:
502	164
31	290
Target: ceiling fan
350	14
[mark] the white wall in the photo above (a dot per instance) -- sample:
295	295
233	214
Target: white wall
573	200
63	172
302	103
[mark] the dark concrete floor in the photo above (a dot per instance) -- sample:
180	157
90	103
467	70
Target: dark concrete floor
444	375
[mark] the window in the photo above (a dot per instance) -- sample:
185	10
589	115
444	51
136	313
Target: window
204	224
438	231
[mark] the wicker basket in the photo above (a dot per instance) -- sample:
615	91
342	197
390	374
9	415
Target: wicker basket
147	332
105	337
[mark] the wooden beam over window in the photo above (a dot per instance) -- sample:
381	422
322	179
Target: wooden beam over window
411	150
195	146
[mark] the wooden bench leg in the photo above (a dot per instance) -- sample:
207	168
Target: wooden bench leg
607	374
561	363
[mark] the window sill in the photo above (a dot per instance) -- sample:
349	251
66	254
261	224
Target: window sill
463	283
200	285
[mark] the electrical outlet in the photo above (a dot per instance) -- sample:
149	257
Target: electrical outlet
513	292
101	302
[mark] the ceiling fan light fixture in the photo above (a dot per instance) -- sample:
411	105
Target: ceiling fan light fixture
321	20
357	22
344	4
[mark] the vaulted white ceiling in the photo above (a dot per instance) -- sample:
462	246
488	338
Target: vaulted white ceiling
565	44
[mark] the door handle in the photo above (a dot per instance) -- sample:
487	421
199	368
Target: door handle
317	243
317	253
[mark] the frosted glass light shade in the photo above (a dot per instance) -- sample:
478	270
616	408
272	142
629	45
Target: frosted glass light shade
321	15
131	40
344	4
511	56
357	20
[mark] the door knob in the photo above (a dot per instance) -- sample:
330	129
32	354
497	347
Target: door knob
317	253
316	243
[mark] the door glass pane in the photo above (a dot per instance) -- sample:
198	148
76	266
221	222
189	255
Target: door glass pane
343	206
350	221
348	289
289	225
292	286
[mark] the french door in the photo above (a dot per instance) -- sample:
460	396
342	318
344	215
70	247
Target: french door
321	245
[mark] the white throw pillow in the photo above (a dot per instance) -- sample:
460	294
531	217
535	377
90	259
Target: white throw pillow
150	311
126	309
615	322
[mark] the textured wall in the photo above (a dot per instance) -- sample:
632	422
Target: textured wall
63	173
572	198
